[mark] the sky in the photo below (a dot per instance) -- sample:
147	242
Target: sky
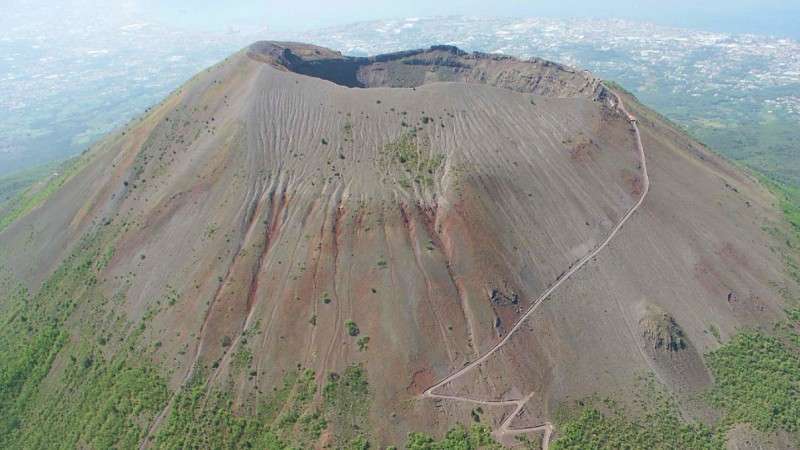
773	17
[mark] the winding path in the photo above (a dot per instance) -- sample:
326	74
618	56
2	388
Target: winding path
505	427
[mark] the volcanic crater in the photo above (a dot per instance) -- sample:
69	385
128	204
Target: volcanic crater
290	201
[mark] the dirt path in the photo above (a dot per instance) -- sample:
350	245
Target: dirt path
505	427
504	430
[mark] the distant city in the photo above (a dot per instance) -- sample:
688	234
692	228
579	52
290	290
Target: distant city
65	88
738	93
69	76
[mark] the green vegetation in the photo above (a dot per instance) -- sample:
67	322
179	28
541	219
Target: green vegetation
595	430
90	398
458	438
352	328
92	384
98	406
106	391
287	417
211	230
13	184
613	85
529	443
789	202
346	403
596	424
347	130
758	382
757	375
414	156
788	198
242	358
714	330
753	133
766	142
98	401
34	196
32	334
209	418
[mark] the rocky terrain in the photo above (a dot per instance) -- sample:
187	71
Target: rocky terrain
313	241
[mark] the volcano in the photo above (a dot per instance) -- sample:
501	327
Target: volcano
332	250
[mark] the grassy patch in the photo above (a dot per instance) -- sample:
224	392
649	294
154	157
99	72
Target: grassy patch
789	202
602	424
459	437
346	403
758	382
714	330
285	418
94	397
32	332
242	358
593	429
34	196
101	404
13	184
613	85
413	154
208	418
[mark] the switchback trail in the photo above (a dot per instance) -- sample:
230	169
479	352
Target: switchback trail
505	427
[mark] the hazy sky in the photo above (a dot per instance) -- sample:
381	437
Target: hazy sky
780	17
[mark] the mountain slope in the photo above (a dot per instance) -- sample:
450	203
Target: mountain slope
240	242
